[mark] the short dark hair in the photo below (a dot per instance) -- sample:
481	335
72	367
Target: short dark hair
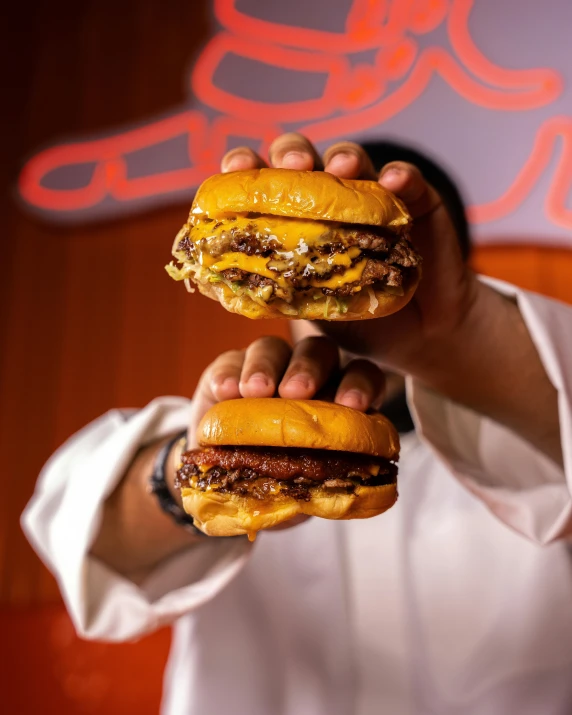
383	152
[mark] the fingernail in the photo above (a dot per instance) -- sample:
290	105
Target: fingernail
391	176
341	161
353	398
234	163
300	379
294	160
259	377
227	385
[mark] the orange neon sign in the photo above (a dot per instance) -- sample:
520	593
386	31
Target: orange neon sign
349	97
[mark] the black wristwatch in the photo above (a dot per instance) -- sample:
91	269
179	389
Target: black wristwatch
158	487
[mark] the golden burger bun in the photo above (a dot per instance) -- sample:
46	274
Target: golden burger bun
235	515
278	426
270	243
304	424
300	194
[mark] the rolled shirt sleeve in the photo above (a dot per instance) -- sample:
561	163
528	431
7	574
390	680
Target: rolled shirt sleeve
63	517
521	486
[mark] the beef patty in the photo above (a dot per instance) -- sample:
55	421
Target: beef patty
260	472
390	258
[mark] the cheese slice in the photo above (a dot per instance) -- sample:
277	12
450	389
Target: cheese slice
290	233
250	264
297	238
349	276
344	259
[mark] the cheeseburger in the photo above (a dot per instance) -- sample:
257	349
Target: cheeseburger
264	461
275	243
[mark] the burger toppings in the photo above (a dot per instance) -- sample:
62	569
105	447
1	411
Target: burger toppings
260	472
272	258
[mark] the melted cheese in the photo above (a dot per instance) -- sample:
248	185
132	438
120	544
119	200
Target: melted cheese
344	259
251	264
296	237
351	275
291	233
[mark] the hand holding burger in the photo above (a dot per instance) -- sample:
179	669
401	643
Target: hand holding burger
457	335
279	243
257	462
264	461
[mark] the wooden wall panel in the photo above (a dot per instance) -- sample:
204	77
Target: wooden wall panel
543	269
89	319
50	670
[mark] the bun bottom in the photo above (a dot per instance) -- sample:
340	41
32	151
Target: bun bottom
217	514
365	305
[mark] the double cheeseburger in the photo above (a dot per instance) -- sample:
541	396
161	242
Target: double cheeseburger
279	243
264	461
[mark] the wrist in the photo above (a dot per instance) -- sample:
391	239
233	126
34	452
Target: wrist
172	467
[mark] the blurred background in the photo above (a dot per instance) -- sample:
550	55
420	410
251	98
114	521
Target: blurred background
114	111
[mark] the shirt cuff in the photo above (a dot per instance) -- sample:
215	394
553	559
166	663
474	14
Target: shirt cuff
521	486
63	519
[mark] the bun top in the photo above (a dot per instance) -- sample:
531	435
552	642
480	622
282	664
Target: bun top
313	195
306	424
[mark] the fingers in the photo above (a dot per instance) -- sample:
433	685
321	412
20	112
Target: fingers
269	365
264	363
349	161
220	381
223	377
346	160
293	151
312	363
362	386
288	151
407	182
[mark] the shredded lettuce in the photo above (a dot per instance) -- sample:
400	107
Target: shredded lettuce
327	306
236	286
177	274
342	305
215	278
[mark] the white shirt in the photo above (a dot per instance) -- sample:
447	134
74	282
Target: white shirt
457	600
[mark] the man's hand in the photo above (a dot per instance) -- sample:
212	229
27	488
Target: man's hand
456	336
135	535
269	366
448	288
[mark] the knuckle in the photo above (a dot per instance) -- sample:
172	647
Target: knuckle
302	365
269	342
317	343
366	370
234	355
226	361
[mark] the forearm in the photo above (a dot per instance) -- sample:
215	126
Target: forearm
135	534
491	365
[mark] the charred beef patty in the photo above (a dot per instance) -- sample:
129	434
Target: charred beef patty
260	472
389	259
